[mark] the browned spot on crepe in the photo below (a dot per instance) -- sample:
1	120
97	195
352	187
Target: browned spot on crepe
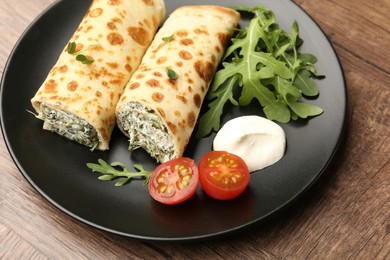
148	2
155	21
205	70
51	86
134	85
191	119
157	74
128	67
185	55
186	42
115	38
153	83
197	100
147	22
161	60
114	2
158	97
181	33
139	35
182	98
111	25
172	127
112	65
201	31
96	12
72	86
63	69
223	38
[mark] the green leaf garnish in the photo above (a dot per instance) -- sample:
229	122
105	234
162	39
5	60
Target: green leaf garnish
80	54
84	59
172	74
110	172
71	47
168	38
263	63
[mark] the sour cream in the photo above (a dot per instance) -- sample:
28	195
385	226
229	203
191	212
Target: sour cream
257	140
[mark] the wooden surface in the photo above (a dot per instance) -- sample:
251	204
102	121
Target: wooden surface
346	215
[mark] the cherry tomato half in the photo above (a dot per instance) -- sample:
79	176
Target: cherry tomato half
174	181
223	175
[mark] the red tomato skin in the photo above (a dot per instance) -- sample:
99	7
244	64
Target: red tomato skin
180	195
218	190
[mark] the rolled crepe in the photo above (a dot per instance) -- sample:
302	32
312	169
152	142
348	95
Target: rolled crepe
78	100
161	103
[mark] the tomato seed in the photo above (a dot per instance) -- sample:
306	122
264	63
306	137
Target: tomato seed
163	188
169	190
180	185
187	177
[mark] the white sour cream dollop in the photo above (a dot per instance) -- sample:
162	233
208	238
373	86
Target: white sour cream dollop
257	140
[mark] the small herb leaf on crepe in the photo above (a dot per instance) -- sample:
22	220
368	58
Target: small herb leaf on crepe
263	63
172	74
168	38
119	170
84	59
71	47
80	54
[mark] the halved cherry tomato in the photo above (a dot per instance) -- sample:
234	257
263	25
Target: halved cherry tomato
174	181
223	175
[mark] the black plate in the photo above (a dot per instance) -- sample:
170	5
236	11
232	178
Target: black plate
56	168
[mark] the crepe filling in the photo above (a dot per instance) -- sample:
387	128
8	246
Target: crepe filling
146	130
69	126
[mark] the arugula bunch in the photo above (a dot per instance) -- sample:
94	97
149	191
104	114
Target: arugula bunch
263	63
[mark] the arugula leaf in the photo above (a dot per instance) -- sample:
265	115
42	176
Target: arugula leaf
302	110
306	84
221	96
263	63
110	172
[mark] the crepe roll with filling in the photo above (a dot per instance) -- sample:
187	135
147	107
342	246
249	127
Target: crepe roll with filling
77	99
161	103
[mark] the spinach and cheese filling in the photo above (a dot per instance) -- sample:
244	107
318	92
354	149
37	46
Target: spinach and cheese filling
146	130
69	126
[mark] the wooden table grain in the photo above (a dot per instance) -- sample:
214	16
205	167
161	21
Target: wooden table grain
346	215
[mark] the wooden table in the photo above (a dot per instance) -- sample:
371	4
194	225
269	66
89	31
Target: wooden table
346	215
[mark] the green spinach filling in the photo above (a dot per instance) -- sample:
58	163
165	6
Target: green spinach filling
69	126
145	130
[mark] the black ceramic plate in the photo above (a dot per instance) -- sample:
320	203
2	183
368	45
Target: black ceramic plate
56	167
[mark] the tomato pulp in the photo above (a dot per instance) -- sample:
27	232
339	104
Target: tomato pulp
174	181
223	175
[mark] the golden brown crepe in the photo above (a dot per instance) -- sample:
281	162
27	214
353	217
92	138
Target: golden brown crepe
78	100
158	111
